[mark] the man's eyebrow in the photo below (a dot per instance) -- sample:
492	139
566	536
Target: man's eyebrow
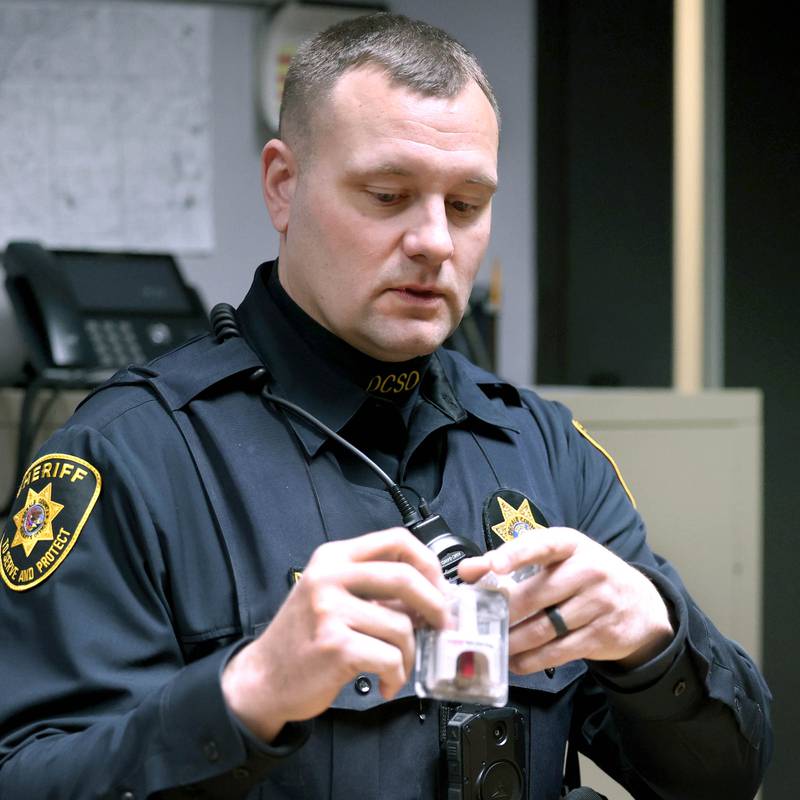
388	168
484	180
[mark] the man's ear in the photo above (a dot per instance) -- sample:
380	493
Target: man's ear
278	181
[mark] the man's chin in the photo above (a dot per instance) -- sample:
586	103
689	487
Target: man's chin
403	348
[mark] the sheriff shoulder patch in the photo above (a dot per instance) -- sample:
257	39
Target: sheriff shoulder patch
507	514
53	502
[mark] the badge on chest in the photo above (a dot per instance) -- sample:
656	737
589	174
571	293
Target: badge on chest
507	514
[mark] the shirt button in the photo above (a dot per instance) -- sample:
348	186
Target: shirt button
363	684
210	750
679	688
127	796
550	672
241	773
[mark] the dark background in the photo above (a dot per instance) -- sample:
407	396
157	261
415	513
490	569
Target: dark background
604	250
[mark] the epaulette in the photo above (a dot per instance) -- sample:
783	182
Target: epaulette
182	374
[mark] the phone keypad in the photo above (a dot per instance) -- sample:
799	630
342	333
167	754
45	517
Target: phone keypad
114	342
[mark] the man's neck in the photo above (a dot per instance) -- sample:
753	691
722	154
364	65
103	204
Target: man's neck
393	381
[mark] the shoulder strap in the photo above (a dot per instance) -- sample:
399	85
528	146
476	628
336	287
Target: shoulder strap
175	387
193	370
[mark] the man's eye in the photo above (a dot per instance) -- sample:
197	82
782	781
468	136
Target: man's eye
387	198
463	208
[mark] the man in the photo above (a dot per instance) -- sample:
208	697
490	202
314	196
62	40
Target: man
157	647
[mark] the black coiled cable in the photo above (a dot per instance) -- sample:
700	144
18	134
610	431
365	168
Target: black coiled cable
223	321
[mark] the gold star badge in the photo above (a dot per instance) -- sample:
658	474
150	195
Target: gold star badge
506	514
34	520
515	520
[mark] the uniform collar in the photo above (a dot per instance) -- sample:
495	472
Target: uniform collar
333	394
478	393
333	379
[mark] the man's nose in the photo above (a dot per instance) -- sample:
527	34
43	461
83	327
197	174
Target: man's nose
428	234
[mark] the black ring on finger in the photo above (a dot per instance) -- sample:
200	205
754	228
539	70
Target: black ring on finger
557	621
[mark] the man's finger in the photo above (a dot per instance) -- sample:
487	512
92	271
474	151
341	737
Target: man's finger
387	625
543	547
393	544
367	654
538	630
553	585
573	646
383	580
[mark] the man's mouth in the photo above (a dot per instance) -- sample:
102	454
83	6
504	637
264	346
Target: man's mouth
417	293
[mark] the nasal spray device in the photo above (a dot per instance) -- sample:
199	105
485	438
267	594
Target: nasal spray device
468	660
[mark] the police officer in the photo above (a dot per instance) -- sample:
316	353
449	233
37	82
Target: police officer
160	641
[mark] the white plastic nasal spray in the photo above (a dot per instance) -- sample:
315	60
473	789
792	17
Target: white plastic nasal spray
468	660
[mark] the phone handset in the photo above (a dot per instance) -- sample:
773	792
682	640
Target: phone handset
52	325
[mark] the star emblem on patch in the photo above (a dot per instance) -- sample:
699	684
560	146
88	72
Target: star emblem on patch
34	521
515	520
507	514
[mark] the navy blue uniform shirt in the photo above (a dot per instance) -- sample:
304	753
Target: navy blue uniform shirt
159	529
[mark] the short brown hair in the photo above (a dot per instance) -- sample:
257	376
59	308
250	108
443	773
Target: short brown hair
413	54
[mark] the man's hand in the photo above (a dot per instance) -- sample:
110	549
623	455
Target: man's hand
613	612
351	612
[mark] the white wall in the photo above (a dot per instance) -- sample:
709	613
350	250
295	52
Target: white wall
501	36
244	233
